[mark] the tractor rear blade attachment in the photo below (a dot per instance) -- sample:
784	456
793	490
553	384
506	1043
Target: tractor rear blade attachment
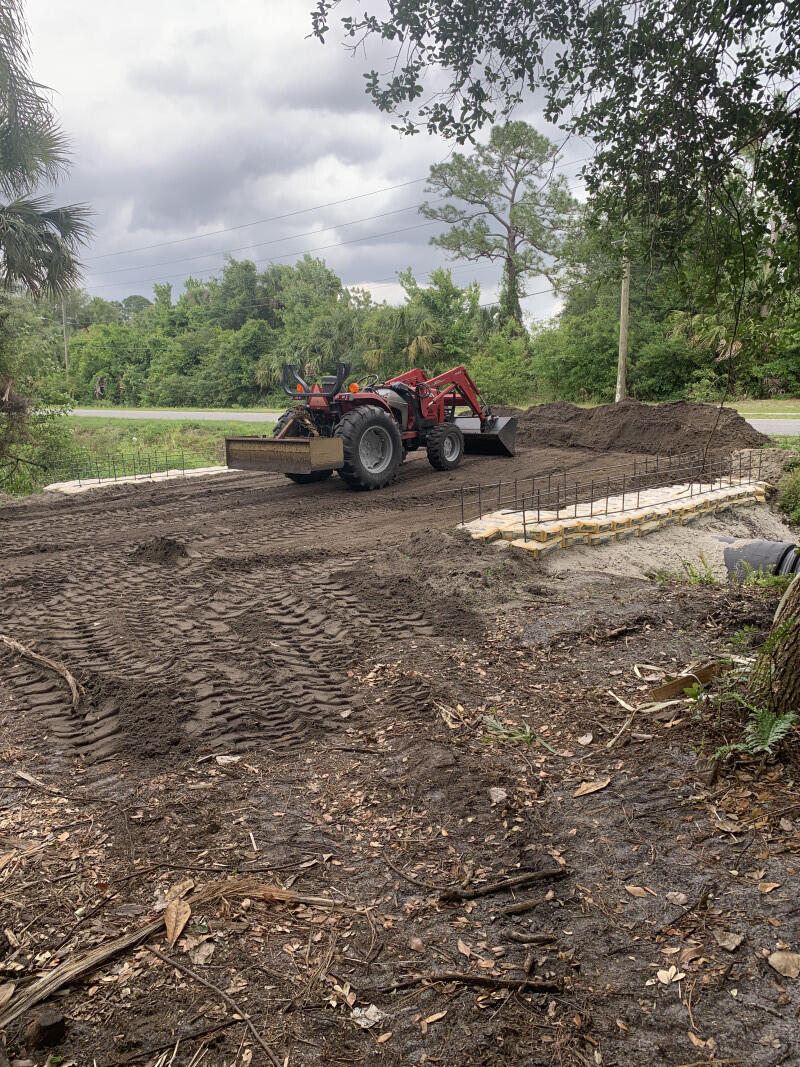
494	437
287	455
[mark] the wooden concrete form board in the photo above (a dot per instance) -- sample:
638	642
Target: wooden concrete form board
595	526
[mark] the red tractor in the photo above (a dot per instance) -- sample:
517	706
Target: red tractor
364	431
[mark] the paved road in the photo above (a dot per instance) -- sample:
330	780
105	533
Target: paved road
769	426
777	426
189	416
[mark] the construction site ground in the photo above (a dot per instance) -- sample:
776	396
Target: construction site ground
338	694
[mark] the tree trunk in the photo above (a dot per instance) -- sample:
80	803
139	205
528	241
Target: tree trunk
509	298
775	678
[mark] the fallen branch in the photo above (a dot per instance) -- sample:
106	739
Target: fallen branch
465	978
71	970
74	687
516	882
523	905
531	939
625	726
408	877
224	996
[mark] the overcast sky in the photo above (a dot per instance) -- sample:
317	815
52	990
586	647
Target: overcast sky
189	116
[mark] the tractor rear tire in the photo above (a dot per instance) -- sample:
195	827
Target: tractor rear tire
372	446
301	479
445	447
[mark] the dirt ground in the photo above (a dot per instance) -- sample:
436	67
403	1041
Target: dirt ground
308	691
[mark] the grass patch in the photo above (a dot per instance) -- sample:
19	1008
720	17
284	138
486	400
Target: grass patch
98	448
785	406
791	444
789	494
99	436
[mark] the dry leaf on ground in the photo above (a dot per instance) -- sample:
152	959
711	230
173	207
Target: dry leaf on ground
636	890
767	887
727	940
367	1017
6	992
202	954
669	976
677	898
176	916
785	963
432	1019
591	787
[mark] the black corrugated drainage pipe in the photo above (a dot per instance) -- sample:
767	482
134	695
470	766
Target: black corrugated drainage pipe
768	557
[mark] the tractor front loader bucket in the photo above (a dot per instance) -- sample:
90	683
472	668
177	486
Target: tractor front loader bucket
494	437
284	455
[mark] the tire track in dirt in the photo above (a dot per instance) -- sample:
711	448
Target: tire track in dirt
255	634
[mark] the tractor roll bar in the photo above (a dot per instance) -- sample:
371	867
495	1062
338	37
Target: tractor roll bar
330	385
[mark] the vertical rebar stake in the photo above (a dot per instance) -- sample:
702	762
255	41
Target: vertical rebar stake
538	507
591	501
480	504
524	521
623	493
499	495
462	505
515	494
183	464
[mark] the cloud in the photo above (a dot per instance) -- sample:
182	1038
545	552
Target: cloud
186	118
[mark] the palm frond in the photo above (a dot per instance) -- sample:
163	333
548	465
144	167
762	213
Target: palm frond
38	244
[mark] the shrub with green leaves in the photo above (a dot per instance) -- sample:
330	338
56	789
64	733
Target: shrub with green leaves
789	494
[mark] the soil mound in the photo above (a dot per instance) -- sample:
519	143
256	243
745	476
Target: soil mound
160	550
665	429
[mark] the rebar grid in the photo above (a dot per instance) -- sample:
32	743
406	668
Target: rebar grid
113	466
554	493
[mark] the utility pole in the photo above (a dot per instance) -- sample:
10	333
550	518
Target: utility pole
66	335
624	305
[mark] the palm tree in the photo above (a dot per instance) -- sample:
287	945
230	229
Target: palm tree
38	242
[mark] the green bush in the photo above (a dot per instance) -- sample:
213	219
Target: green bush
501	369
789	494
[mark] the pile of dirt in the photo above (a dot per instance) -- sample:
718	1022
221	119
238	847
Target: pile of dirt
659	429
160	550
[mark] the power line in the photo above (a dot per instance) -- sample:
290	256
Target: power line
257	222
261	244
286	255
287	215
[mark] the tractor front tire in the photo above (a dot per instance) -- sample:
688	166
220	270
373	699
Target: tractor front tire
372	447
445	446
301	479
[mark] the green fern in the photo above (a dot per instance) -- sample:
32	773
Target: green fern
765	730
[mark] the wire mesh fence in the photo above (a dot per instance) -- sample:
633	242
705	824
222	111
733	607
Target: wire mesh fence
612	489
117	466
